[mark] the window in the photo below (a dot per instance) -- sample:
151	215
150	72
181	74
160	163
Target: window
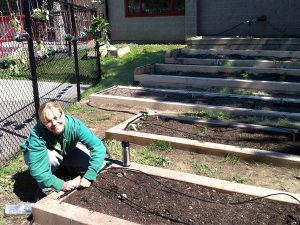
154	8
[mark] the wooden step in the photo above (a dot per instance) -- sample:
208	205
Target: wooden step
150	80
239	43
222	69
234	63
262	53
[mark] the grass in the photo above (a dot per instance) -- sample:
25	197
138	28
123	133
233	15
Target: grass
203	169
237	92
202	131
6	173
226	63
114	70
239	179
150	158
232	159
245	75
77	108
99	118
118	71
160	146
212	115
142	156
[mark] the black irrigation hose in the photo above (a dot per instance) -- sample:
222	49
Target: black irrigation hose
134	119
232	28
139	206
123	111
249	22
231	203
262	197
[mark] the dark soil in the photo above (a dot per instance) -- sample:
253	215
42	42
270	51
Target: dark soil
236	56
208	100
236	75
221	135
147	199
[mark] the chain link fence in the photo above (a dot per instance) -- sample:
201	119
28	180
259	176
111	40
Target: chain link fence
40	60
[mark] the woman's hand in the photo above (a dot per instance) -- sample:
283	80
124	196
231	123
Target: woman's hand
84	183
68	186
71	184
78	182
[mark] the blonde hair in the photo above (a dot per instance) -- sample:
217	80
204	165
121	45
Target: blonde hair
47	106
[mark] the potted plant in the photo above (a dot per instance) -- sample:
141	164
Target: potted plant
86	33
42	52
15	64
99	30
18	36
22	36
41	14
68	37
5	63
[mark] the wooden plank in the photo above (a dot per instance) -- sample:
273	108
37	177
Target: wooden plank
234	62
197	82
222	69
268	53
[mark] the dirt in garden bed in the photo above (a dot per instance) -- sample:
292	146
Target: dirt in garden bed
193	98
221	135
147	199
237	56
241	75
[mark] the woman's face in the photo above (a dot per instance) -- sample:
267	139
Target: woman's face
54	121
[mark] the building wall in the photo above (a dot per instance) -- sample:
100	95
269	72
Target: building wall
191	18
216	16
144	29
208	17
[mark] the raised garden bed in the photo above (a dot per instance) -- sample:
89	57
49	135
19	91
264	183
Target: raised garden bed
245	43
207	82
273	74
186	100
280	140
269	54
238	57
237	101
148	195
192	135
210	60
236	75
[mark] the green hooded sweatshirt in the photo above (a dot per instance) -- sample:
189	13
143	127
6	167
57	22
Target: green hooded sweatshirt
40	139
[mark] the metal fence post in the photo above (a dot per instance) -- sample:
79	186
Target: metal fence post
31	57
75	52
98	57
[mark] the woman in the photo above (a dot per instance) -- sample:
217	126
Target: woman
53	142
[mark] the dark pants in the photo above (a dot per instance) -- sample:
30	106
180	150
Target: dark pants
76	162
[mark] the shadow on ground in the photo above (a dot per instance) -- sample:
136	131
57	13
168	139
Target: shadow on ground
25	186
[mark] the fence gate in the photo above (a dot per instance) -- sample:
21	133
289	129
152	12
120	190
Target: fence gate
51	63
